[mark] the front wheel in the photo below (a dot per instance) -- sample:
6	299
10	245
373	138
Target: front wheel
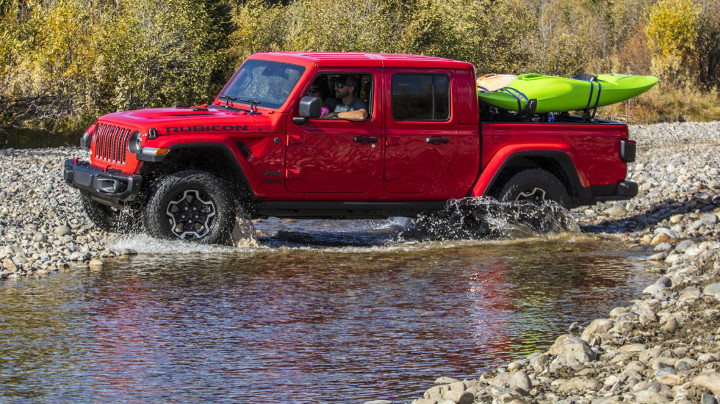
190	205
105	217
534	185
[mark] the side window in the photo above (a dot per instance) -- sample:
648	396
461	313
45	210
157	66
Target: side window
333	87
420	97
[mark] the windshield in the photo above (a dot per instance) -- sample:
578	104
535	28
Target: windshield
264	82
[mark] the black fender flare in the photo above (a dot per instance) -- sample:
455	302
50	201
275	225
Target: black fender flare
236	166
564	164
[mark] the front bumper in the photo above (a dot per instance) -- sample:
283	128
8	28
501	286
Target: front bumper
111	187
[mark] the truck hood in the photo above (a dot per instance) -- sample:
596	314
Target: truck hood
170	121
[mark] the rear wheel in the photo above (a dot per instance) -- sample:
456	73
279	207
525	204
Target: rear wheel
534	185
190	205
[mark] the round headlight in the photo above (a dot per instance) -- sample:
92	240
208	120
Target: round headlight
134	142
85	140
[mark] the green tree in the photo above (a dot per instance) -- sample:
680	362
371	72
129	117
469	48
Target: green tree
344	25
155	53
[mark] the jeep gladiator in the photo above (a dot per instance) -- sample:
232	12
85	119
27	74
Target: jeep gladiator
262	148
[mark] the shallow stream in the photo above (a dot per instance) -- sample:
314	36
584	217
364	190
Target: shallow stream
316	311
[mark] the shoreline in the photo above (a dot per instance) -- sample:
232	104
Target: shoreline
663	347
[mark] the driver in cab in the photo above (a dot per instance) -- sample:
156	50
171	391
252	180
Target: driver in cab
349	106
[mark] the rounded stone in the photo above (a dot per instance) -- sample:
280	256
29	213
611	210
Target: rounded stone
660	238
445	380
671	325
62	230
95	264
709	380
521	380
712	290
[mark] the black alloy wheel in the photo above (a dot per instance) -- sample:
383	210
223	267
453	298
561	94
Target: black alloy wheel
190	205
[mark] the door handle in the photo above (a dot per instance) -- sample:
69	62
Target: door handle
365	139
437	140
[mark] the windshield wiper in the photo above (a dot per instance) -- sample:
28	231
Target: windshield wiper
253	105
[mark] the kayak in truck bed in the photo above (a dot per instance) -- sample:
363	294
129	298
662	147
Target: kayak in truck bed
494	81
559	94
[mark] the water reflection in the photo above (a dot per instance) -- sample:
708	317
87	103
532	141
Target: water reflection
286	324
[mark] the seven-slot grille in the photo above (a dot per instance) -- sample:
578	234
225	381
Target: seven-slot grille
111	143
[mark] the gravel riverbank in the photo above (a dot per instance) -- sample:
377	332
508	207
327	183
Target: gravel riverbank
664	347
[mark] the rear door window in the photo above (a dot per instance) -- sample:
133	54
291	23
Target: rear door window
420	97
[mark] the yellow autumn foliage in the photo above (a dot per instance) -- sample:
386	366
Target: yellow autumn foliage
64	62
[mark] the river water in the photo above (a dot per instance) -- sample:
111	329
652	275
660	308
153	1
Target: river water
317	311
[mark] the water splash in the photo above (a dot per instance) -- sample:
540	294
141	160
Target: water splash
145	244
463	219
484	218
243	234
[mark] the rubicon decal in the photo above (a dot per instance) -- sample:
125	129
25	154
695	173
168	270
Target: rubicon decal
206	128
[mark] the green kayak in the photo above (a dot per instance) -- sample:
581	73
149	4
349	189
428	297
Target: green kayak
559	94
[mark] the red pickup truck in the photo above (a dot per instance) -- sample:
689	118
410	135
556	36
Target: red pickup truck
263	147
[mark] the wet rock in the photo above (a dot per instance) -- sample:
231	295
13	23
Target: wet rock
95	264
598	326
521	380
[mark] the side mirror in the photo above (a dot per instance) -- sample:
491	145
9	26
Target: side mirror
310	107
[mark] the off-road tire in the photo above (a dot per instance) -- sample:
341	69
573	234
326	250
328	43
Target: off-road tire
103	216
173	199
536	186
